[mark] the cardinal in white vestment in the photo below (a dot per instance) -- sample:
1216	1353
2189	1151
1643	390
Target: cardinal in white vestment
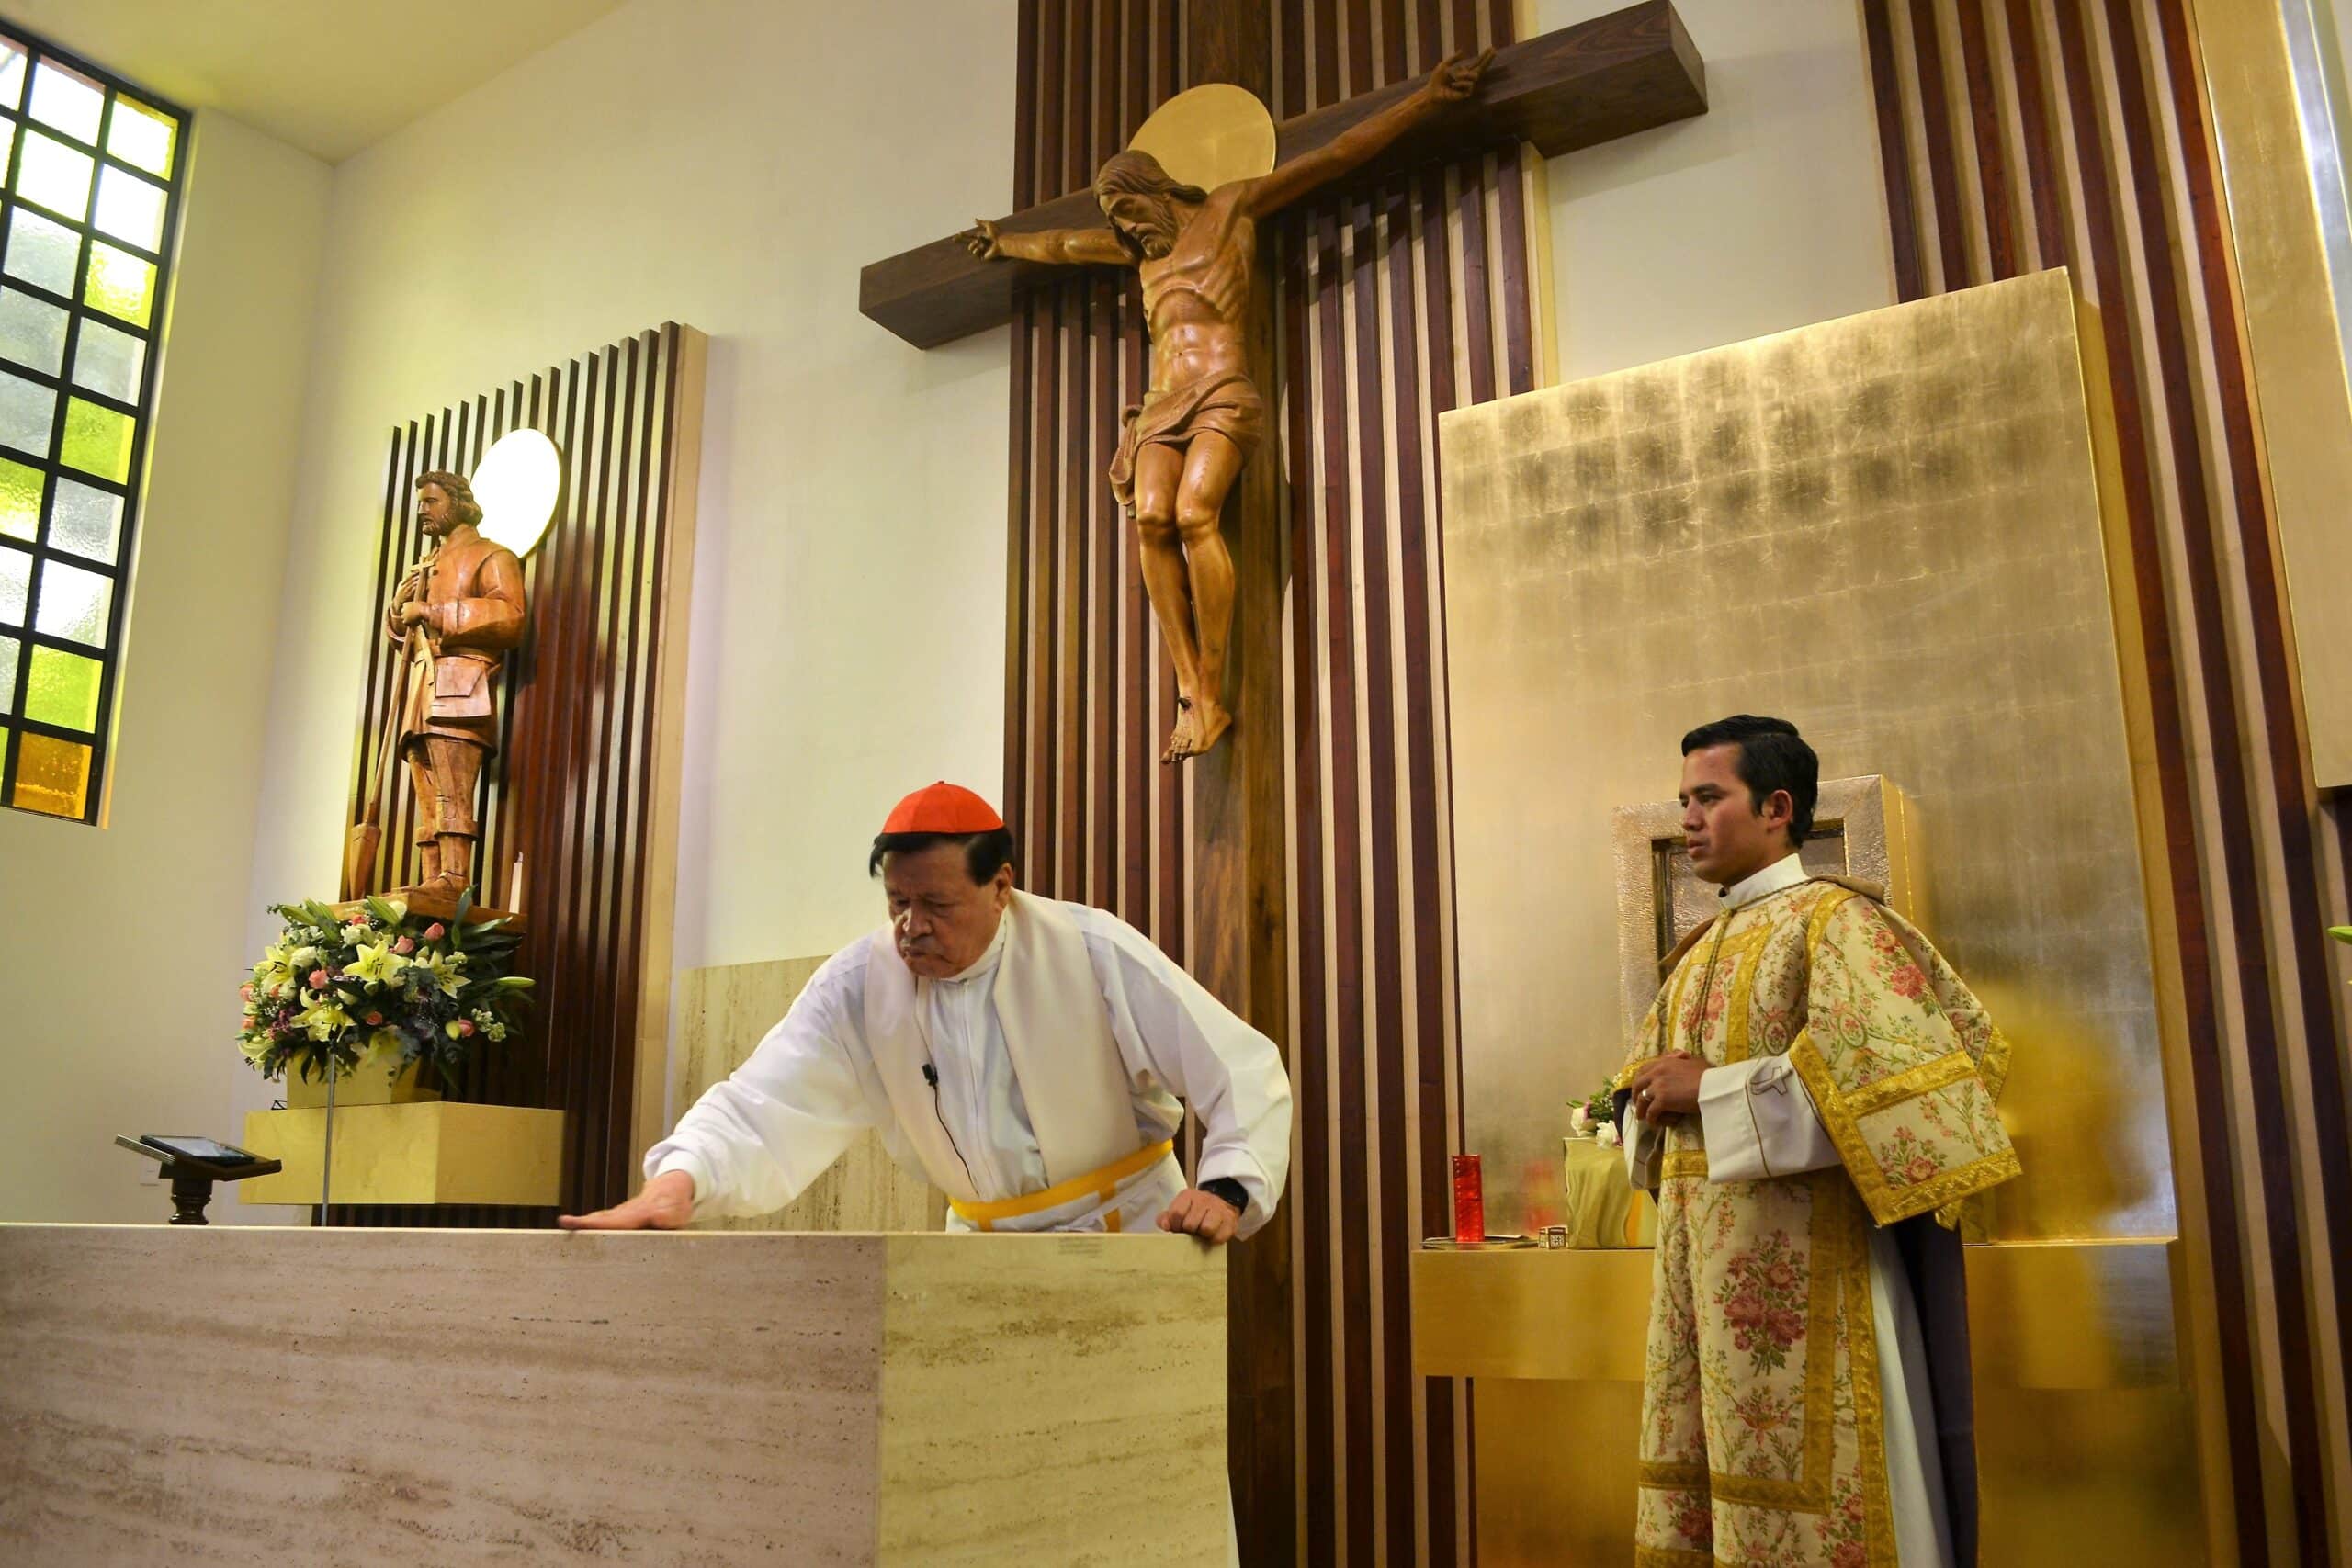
1026	1054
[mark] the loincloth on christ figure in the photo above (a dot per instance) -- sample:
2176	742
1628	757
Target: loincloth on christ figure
1228	404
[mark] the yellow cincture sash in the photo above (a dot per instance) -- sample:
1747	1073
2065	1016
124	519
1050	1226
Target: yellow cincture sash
1101	1184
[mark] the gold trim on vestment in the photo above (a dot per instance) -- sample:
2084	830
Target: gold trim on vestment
1672	1557
1683	1162
1911	1083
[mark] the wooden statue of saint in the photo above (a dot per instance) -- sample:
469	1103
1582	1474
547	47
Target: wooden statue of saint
1183	448
456	612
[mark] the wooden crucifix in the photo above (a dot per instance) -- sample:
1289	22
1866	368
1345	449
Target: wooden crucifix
1630	71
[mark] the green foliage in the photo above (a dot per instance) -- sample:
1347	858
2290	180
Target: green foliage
430	992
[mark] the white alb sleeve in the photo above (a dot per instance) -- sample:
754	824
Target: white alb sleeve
1758	1122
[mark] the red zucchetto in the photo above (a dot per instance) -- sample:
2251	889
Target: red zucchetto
943	807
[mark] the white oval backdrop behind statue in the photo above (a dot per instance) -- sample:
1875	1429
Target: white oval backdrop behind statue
515	486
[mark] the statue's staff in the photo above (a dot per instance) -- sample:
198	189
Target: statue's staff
368	834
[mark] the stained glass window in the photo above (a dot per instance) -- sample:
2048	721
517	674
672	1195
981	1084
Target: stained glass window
90	178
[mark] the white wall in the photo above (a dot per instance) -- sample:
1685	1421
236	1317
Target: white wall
121	946
731	165
1766	212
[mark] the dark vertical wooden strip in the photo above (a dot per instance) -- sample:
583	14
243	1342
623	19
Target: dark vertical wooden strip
1477	325
2275	1164
1326	89
1995	203
1045	564
2045	178
1310	1044
1514	287
1290	83
1079	477
1935	136
1347	925
1895	160
1384	1002
1360	76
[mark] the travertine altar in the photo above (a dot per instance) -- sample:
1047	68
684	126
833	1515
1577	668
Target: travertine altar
400	1396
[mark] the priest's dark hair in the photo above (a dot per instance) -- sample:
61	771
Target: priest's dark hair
983	852
459	489
1772	756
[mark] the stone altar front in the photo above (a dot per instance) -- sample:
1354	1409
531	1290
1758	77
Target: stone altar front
399	1396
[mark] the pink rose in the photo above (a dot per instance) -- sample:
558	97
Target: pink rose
435	931
465	1026
318	979
356	920
405	946
245	991
374	1019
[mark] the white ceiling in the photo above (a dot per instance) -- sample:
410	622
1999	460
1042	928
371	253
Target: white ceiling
328	76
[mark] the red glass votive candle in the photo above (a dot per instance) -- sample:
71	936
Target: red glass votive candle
1469	1202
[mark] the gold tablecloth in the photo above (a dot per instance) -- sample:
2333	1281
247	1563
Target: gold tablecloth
1602	1208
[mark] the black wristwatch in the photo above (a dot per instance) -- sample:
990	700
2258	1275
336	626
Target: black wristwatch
1232	1191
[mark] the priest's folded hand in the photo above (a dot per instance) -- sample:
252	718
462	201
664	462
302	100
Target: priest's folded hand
1203	1214
666	1204
1666	1087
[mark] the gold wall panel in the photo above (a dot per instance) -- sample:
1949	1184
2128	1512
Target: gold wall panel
2263	64
1886	528
2086	1442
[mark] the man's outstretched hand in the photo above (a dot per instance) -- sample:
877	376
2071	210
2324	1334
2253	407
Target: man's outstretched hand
666	1204
1203	1214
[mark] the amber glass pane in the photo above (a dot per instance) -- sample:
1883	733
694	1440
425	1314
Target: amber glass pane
53	775
19	501
140	136
64	689
97	440
121	284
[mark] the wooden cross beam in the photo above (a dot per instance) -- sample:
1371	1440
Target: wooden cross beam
1595	81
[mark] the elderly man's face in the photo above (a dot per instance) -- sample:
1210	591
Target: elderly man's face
435	513
941	919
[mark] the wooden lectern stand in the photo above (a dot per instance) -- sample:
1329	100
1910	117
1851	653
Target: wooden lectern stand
400	1396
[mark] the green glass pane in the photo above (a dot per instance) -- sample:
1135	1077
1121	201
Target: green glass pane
54	174
53	775
74	604
68	101
12	75
131	208
43	250
108	361
8	673
84	520
97	440
28	411
16	580
32	332
121	284
141	136
64	689
19	501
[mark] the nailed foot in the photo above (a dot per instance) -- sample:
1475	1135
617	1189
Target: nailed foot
1200	727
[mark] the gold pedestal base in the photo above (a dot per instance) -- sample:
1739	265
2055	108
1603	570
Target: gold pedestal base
426	1153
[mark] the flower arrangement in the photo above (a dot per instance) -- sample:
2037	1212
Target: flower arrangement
332	985
1595	1117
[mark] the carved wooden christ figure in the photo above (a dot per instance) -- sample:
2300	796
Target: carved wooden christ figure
456	612
1183	448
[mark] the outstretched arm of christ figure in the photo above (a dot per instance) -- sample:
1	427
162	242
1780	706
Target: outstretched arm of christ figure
1061	247
1452	82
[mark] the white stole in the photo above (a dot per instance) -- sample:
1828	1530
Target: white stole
1056	1028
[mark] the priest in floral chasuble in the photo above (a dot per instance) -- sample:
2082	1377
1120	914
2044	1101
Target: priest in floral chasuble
1810	1096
